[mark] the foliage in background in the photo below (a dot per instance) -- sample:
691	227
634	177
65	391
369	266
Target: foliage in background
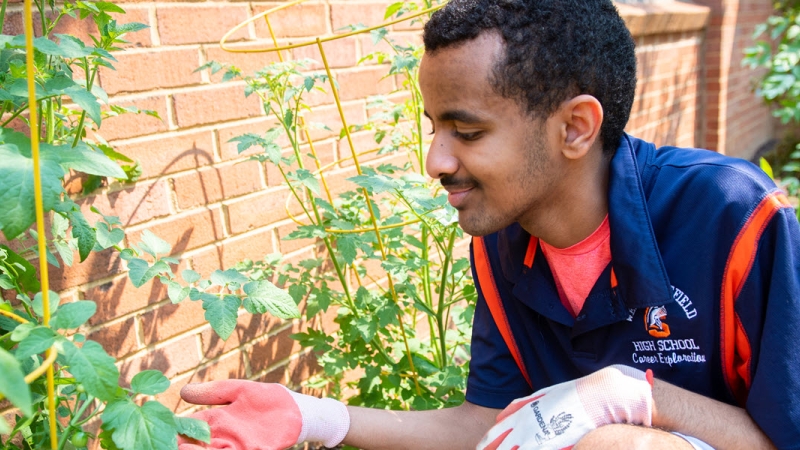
779	56
86	377
403	330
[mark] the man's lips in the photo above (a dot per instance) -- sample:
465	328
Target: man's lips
457	196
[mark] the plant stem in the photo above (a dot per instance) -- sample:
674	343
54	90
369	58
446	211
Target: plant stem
448	256
3	15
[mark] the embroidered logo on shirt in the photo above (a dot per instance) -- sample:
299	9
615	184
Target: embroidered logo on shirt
654	317
557	426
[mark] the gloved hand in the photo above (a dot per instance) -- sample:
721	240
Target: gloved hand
557	417
263	416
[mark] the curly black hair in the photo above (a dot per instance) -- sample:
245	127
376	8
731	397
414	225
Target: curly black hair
554	51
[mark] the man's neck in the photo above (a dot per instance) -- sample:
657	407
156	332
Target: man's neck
579	207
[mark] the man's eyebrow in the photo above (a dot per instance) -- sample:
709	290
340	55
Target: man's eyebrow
457	115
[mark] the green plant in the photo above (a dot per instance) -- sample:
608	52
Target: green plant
85	376
404	328
779	86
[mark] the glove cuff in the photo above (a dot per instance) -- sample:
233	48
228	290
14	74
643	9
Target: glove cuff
325	420
617	394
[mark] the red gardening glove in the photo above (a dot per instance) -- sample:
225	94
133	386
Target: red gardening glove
557	417
263	416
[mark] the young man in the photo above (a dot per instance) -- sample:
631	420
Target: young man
645	298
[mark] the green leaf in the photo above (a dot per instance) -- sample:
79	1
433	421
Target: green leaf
380	33
26	273
87	101
193	428
230	276
93	368
38	303
149	382
346	247
263	296
153	244
72	47
222	313
140	272
190	276
37	341
367	326
16	189
393	8
73	315
376	183
108	237
149	427
22	330
176	292
83	232
13	385
83	159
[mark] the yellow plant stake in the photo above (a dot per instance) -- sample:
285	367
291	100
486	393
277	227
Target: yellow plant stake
37	192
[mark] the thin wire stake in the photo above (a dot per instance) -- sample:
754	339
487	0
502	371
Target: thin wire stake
372	214
37	192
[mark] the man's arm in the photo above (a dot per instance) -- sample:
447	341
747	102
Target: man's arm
460	427
718	424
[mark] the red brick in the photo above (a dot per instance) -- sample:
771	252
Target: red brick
249	63
230	366
171	359
364	82
293	372
119	297
118	339
199	23
402	39
307	19
369	13
215	103
258	210
97	265
248	327
273	349
130	125
171	319
186	231
143	201
160	155
212	184
145	70
228	149
252	246
289	246
340	53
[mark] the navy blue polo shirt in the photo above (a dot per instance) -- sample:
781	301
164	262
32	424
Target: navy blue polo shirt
706	253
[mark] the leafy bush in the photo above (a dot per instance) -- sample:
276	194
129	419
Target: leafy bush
403	329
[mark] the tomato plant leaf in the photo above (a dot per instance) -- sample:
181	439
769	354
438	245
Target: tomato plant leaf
367	326
149	382
176	292
16	189
193	428
221	313
83	232
87	101
263	296
38	303
108	237
25	273
73	315
149	427
84	159
190	276
37	341
153	244
13	385
230	276
140	272
93	368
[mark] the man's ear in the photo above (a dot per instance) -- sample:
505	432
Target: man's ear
582	117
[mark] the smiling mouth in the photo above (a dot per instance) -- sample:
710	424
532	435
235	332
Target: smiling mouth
457	197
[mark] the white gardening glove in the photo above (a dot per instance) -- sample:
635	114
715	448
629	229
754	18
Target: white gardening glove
557	417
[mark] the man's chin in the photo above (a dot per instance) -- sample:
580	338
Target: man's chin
475	226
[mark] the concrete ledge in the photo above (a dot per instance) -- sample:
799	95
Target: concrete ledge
663	17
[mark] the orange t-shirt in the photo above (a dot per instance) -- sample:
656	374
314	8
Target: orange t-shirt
576	268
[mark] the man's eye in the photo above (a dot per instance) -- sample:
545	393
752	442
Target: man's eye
467	136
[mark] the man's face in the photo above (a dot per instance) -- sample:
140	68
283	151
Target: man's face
493	159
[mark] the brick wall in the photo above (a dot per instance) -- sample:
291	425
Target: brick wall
214	209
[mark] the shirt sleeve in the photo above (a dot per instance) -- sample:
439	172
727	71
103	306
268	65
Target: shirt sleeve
768	315
494	378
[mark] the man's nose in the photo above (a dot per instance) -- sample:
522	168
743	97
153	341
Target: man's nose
440	160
